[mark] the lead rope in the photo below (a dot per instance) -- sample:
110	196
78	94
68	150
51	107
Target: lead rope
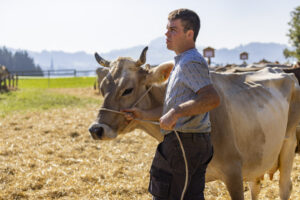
186	166
157	123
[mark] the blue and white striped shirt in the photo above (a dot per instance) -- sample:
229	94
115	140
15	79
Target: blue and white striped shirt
189	74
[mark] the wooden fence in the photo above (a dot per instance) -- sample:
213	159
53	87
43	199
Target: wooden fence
9	82
57	73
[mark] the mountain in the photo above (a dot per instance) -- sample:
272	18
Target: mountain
62	60
257	51
156	54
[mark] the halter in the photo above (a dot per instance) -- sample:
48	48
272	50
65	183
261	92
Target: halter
138	101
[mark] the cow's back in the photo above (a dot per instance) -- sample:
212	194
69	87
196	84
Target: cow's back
243	125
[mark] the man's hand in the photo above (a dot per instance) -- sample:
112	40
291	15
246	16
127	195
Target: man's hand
133	113
168	121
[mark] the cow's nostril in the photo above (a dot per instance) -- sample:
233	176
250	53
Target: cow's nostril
99	132
91	129
96	131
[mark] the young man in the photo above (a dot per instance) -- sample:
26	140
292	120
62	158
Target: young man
189	96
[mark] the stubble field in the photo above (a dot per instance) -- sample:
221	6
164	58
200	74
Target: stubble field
49	154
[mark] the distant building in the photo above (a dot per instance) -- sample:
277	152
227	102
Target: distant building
209	53
244	56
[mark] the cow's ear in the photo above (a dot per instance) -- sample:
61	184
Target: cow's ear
160	73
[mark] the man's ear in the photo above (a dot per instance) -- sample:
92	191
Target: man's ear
159	74
190	34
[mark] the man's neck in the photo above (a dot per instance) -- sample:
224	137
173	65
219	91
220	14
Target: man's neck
186	48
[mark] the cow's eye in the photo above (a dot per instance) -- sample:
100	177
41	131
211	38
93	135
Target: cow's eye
127	91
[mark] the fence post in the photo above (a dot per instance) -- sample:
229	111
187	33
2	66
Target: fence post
13	81
48	78
9	81
17	80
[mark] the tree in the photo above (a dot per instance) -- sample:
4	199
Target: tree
19	62
6	57
294	35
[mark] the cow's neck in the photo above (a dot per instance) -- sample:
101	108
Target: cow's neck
150	129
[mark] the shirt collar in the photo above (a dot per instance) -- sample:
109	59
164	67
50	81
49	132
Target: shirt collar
178	57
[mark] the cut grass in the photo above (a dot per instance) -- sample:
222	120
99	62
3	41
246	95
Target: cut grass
39	99
72	82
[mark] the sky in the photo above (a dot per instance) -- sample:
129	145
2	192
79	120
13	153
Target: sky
98	25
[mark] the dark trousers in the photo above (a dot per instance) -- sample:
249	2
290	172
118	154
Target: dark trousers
167	174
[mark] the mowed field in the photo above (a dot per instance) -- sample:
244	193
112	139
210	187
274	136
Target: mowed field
46	151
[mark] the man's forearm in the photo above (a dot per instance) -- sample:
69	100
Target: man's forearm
206	100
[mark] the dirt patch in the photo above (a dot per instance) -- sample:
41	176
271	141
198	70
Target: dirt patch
50	155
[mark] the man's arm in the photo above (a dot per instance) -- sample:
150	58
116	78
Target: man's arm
207	99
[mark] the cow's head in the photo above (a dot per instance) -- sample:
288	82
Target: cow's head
125	82
3	71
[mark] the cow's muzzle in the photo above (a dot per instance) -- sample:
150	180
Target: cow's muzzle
96	132
101	132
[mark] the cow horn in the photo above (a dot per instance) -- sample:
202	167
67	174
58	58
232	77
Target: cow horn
101	61
142	59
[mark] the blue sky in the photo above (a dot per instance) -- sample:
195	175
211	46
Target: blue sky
97	25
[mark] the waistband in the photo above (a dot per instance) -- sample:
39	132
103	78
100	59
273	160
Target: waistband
189	135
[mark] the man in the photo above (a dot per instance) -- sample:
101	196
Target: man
189	96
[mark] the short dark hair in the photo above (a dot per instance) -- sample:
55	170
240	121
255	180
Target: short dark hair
190	20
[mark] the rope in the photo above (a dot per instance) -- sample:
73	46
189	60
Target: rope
186	166
114	111
138	101
118	112
122	113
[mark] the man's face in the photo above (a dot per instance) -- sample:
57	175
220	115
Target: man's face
176	36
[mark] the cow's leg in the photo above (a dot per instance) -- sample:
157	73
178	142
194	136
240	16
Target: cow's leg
5	83
287	155
298	139
254	188
234	182
287	152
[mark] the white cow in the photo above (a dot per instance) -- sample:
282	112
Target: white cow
253	130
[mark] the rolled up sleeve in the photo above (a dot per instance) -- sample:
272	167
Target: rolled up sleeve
195	75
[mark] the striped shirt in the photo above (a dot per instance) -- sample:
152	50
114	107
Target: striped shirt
189	74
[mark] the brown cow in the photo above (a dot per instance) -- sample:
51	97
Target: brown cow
253	130
101	73
297	65
295	71
4	74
